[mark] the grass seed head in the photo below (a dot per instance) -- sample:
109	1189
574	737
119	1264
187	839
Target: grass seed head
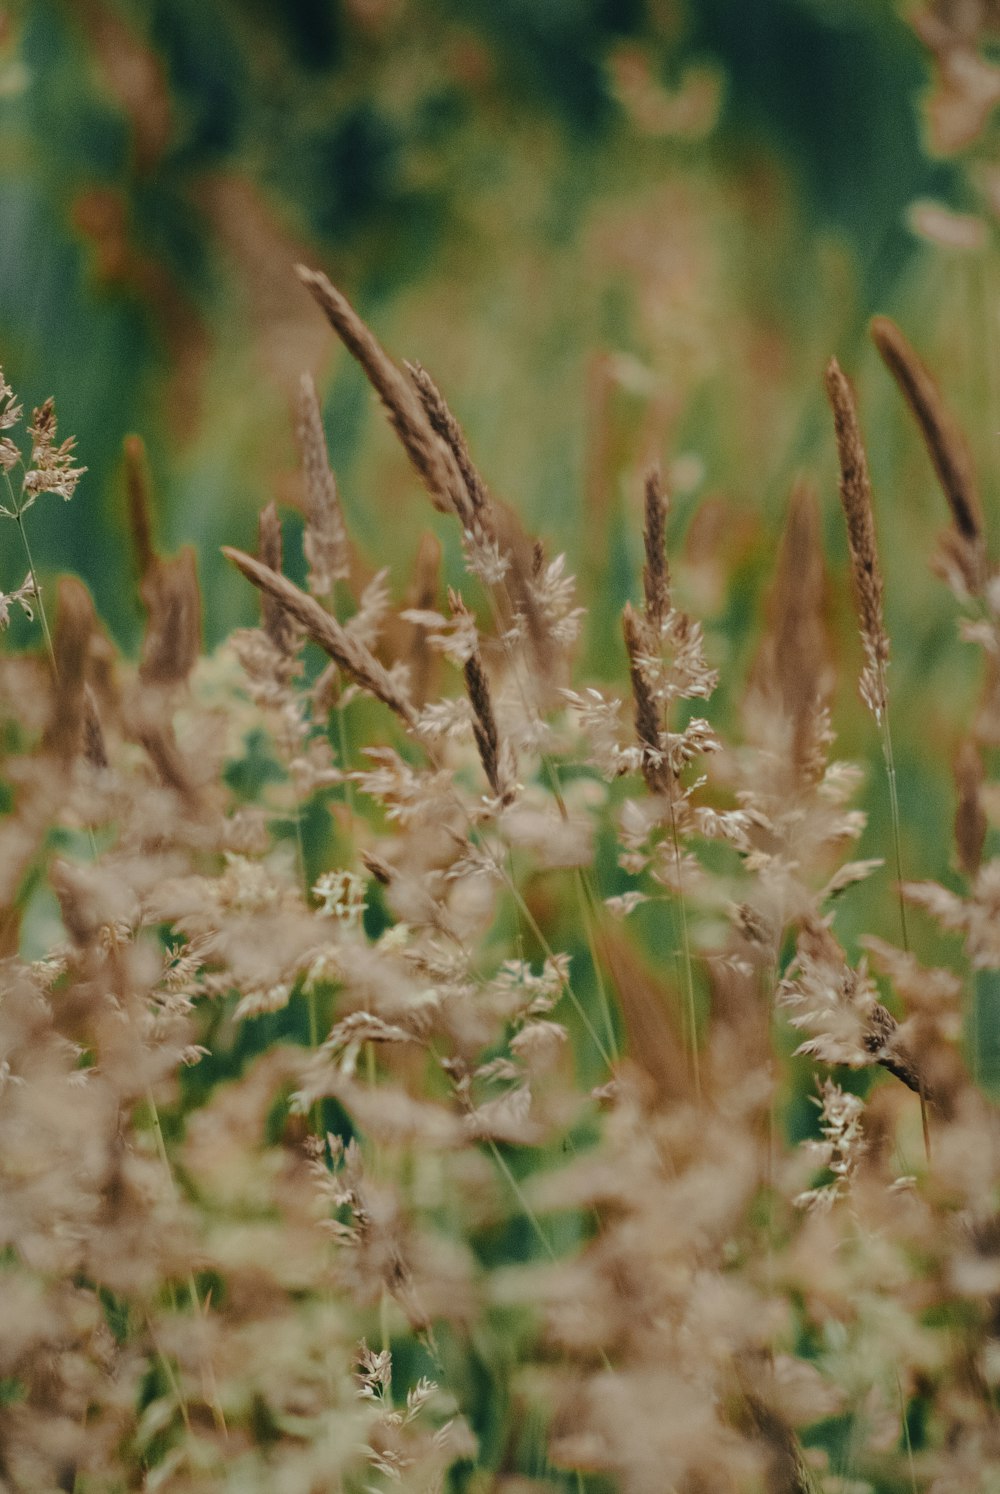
856	500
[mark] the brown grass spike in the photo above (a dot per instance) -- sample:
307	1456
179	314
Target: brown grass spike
325	538
647	716
655	576
484	724
429	455
353	657
944	441
448	428
856	498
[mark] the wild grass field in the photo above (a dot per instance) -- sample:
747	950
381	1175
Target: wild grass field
498	883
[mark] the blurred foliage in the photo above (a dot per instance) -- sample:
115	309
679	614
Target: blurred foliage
492	183
613	229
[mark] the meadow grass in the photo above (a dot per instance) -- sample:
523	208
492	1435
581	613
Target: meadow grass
375	980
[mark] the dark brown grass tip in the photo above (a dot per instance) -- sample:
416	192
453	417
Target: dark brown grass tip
443	421
484	724
430	456
856	500
944	440
656	575
357	661
647	716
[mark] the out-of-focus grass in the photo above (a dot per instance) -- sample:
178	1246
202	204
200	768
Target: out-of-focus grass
610	233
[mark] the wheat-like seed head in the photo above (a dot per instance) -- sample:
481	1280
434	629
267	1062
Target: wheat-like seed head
656	574
856	499
655	768
325	538
945	443
356	660
430	455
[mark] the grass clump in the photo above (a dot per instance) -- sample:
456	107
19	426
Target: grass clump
348	1137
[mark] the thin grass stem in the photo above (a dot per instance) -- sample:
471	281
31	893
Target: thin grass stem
890	772
885	734
50	648
585	898
19	516
567	987
692	1024
192	1285
172	1380
906	1434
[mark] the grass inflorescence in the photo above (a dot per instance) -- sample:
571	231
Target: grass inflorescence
310	1041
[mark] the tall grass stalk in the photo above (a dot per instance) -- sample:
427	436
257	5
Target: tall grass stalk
692	1020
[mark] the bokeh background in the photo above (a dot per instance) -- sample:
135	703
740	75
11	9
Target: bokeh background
612	229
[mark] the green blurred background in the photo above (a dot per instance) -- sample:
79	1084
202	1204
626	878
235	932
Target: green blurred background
612	229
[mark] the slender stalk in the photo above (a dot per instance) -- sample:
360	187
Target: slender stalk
342	749
19	516
522	1199
531	1216
532	923
518	936
383	1320
586	899
856	500
906	1434
50	648
168	1370
890	771
192	1285
686	951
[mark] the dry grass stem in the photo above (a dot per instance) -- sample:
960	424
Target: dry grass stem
448	428
94	746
